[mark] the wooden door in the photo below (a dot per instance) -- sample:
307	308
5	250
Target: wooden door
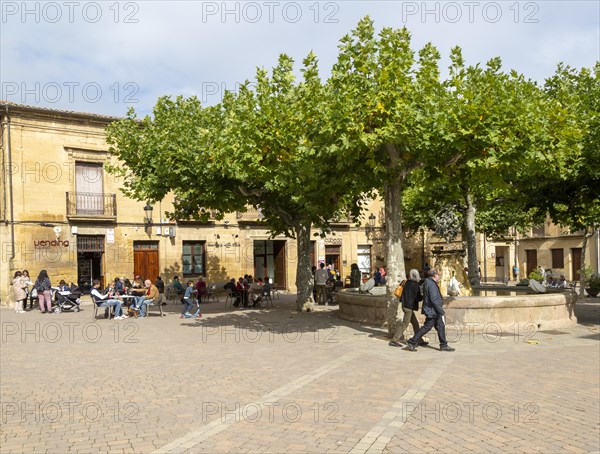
279	259
531	255
145	260
332	256
576	263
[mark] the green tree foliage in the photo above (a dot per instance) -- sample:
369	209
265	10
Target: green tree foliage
499	131
570	191
265	146
391	121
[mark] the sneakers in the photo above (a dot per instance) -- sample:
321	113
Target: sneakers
118	317
395	344
423	344
447	348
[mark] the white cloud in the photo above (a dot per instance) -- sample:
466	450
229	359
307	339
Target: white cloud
202	48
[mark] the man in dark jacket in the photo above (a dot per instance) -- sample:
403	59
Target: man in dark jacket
434	313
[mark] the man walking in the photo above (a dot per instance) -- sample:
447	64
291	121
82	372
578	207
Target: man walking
434	314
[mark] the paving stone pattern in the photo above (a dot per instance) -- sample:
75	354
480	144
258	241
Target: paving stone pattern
274	380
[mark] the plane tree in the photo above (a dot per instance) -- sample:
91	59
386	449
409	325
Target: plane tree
390	106
570	193
266	146
501	132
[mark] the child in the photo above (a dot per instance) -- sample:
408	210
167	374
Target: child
187	301
63	287
19	286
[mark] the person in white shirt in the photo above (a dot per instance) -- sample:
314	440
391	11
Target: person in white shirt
104	299
321	276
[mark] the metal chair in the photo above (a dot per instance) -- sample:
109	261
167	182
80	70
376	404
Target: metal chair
267	298
98	306
230	298
211	293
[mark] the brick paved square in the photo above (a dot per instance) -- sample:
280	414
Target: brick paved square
275	380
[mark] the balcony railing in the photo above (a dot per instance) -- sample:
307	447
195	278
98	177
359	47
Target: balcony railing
92	205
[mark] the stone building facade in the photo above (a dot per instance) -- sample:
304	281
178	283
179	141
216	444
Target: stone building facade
63	212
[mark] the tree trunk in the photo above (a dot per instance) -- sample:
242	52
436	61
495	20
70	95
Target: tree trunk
304	278
474	277
581	274
394	248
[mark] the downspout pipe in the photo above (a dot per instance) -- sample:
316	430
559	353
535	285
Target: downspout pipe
598	250
10	185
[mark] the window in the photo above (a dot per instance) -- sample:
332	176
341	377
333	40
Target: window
364	258
193	258
538	230
89	188
558	258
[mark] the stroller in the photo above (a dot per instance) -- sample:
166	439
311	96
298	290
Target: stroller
67	300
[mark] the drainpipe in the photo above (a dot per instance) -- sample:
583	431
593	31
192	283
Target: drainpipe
598	250
10	184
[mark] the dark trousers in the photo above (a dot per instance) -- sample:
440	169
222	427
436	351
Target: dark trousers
440	327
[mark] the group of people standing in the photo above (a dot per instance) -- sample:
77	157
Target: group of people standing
24	289
433	309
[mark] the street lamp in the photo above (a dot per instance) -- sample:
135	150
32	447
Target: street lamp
148	214
372	219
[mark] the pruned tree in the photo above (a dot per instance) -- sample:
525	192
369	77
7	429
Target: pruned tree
267	147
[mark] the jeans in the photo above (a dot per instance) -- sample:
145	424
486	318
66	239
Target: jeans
144	306
187	306
116	304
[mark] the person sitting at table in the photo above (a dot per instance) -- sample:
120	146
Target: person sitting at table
119	287
201	288
152	296
241	288
138	290
256	289
231	288
100	299
178	286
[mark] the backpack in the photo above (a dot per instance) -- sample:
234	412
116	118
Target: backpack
399	289
39	286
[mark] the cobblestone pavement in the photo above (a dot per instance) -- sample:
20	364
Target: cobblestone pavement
274	380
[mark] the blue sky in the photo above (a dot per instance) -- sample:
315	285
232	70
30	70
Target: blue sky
106	56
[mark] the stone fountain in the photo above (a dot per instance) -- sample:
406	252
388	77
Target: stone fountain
543	311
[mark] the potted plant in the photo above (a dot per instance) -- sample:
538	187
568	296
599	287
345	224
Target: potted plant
593	285
536	276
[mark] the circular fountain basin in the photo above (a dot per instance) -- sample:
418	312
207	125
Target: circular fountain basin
545	311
